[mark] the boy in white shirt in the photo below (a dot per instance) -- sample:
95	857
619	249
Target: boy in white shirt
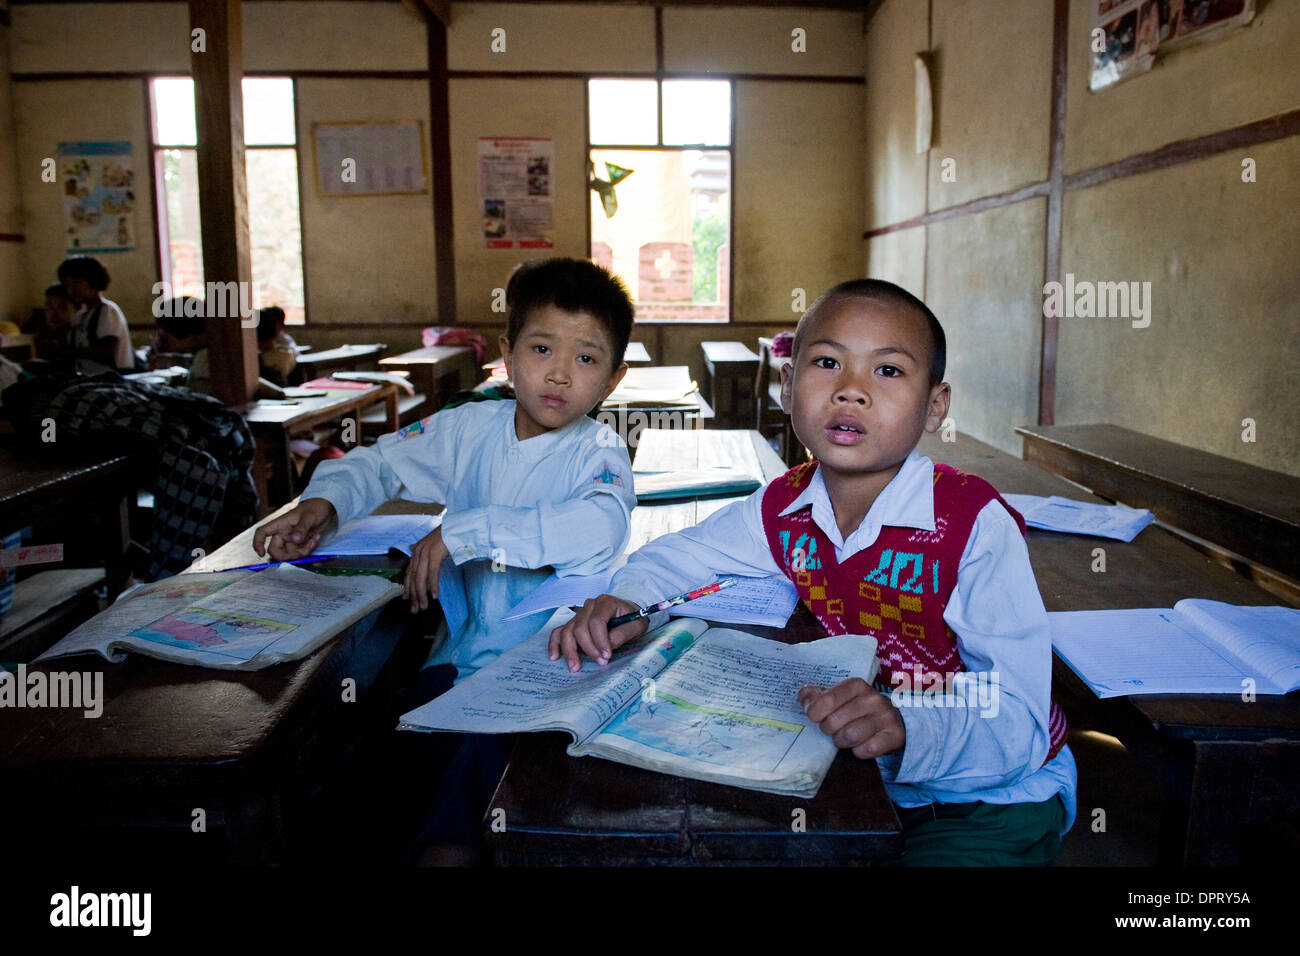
517	478
928	560
528	485
99	340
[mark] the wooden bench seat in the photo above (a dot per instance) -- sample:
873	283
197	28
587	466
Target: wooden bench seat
1250	511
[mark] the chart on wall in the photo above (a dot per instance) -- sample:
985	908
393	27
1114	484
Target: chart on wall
516	191
97	183
369	159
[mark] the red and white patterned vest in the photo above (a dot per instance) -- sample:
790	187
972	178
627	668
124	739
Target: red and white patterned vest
896	590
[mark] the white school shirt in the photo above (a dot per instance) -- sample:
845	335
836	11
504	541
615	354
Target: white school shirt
111	322
952	754
559	500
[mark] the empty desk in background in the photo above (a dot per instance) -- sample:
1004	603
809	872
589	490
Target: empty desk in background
437	371
343	358
1222	763
274	422
634	354
1251	511
732	369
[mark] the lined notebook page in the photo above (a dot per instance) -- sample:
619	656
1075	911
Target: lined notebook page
1143	651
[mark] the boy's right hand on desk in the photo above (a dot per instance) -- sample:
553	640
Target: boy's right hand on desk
588	631
296	534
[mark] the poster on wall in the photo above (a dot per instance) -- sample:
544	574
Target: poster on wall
369	159
1191	21
97	184
1127	41
516	191
1133	32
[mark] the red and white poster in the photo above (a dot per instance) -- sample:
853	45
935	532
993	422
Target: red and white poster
516	183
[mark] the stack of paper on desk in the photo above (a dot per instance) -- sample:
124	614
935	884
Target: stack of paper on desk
711	704
1080	517
1197	647
231	620
658	384
764	601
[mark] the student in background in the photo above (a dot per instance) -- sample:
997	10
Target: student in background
930	561
182	332
277	351
52	327
530	485
99	340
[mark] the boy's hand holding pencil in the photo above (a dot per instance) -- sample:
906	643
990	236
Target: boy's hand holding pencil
590	631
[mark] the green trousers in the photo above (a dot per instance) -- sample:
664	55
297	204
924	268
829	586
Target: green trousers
981	834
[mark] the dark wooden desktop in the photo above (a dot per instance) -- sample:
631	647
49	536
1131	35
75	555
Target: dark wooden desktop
1223	764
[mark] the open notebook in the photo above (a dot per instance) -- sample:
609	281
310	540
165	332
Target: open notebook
1196	647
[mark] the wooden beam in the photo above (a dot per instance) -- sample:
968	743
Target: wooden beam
444	252
223	192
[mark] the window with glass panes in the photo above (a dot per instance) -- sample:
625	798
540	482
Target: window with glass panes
659	174
271	164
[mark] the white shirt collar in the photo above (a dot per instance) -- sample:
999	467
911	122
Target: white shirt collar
907	501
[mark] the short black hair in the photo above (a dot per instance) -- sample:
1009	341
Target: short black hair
267	320
57	291
574	285
882	290
84	267
175	322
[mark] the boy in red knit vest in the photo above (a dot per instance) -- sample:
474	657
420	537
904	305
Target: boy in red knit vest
928	560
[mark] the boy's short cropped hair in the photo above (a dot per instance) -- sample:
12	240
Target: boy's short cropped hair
84	267
574	285
57	291
880	289
269	321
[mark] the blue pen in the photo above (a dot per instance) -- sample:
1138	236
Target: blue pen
271	564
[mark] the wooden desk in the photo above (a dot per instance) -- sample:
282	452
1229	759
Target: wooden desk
635	354
1220	762
349	357
1250	511
274	422
437	371
102	483
251	749
732	369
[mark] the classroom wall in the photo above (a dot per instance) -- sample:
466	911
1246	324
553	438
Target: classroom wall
1225	295
369	262
13	299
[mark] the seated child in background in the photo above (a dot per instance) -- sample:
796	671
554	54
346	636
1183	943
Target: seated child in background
182	330
53	326
277	352
99	340
928	560
528	485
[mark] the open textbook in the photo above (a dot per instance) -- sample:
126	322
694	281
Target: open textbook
711	704
232	620
1197	647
